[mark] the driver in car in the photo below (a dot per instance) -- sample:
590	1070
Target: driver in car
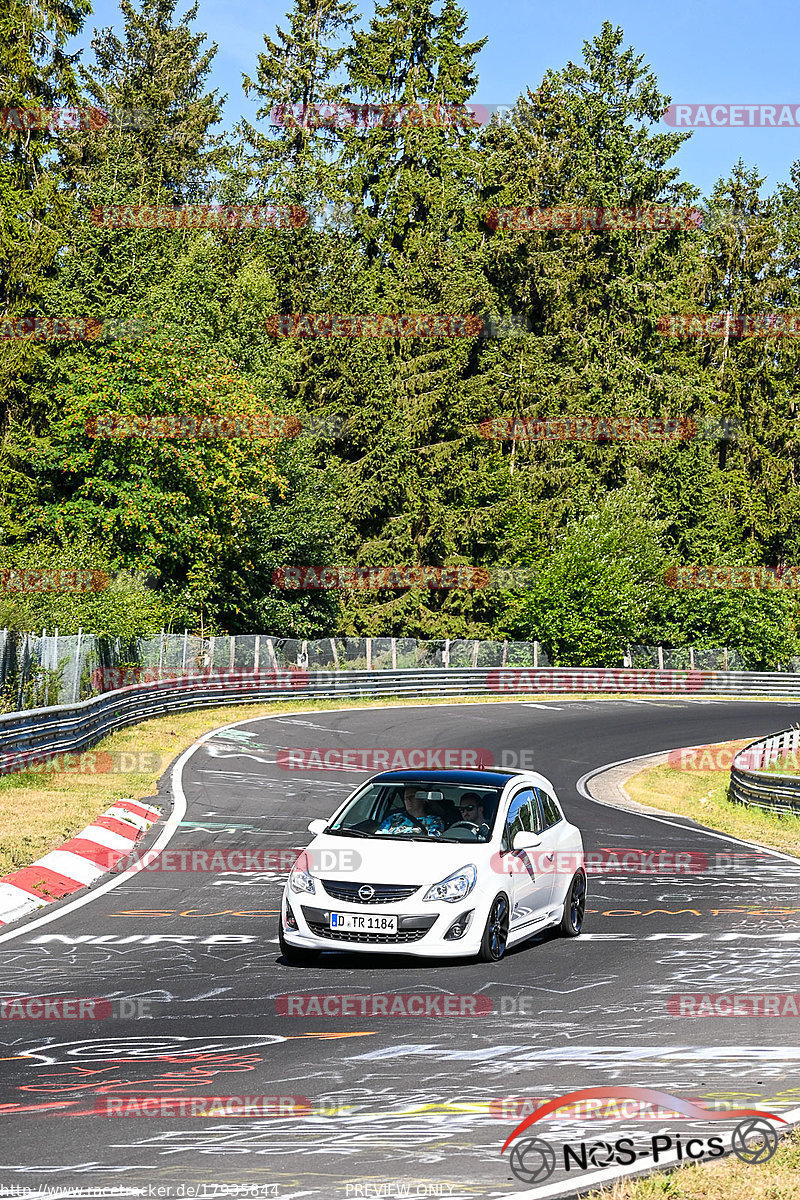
474	810
412	816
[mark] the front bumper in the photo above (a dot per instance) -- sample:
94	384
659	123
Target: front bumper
419	932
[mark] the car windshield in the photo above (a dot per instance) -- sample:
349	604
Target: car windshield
420	811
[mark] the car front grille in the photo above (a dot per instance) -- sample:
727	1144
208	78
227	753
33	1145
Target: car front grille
384	893
339	935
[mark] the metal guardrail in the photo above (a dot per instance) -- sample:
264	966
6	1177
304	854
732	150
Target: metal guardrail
768	790
73	727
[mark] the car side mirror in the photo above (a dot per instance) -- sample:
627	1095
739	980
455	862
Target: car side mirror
318	826
526	841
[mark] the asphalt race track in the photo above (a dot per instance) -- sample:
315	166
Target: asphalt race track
405	1101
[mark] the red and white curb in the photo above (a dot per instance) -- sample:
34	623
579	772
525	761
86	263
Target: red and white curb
79	862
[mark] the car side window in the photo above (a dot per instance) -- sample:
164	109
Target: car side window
519	818
549	808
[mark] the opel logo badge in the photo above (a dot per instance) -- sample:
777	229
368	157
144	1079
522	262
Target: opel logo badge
366	892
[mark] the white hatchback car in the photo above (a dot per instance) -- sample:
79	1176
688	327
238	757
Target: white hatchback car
449	863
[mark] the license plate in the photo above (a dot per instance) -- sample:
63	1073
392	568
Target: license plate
356	923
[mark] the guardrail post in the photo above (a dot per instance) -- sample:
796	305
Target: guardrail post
76	682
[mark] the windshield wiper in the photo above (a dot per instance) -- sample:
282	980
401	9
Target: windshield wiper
347	833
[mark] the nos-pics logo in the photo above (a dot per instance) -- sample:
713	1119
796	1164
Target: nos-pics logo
533	1160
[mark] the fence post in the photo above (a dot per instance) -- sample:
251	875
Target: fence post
232	654
394	654
273	658
475	646
77	679
505	653
691	658
256	653
446	654
303	655
535	655
725	658
160	652
661	658
211	642
369	654
335	654
183	658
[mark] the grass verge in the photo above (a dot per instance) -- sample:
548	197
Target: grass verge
729	1179
703	796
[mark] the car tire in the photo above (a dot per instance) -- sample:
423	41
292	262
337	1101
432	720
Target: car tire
495	935
574	906
296	956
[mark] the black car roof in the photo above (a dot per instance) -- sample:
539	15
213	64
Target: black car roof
461	778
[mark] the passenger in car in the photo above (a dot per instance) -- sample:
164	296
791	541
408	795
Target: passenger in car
412	816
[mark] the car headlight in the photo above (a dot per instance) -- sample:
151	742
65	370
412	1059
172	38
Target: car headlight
301	881
454	887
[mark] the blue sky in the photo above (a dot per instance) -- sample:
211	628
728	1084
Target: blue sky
714	51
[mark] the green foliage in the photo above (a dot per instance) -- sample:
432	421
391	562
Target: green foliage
398	225
125	607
